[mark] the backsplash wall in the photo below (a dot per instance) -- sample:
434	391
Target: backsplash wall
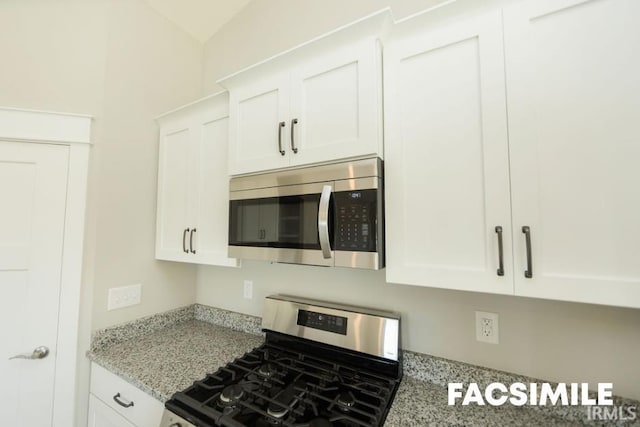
551	340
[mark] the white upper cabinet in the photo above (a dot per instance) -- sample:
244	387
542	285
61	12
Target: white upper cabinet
336	105
260	112
573	96
562	182
193	184
447	165
318	102
173	189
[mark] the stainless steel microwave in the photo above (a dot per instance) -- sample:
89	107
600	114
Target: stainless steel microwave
329	215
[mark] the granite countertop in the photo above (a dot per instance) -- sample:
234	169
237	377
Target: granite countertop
162	355
421	403
171	359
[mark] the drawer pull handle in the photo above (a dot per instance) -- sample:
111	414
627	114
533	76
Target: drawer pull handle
527	234
294	122
121	403
500	252
193	251
184	244
280	126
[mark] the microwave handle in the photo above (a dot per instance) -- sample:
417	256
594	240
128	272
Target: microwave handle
323	222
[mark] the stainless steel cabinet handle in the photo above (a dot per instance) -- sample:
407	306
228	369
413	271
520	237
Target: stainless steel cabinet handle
527	233
121	403
500	252
184	238
191	241
293	144
323	221
280	126
38	353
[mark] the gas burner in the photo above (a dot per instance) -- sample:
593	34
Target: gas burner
345	400
277	411
268	370
231	394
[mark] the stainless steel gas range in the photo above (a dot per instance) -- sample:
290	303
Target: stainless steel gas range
321	364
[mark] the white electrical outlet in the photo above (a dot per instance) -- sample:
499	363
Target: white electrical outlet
487	327
248	289
124	296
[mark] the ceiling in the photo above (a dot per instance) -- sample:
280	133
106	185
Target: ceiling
200	18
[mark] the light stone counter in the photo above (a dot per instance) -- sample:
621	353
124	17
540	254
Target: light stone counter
165	353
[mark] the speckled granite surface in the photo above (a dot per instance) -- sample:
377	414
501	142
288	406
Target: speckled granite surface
168	360
230	319
165	353
421	403
140	327
429	377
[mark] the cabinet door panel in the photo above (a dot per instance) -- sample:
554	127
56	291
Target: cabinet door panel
573	91
447	174
256	110
100	415
173	192
212	221
336	99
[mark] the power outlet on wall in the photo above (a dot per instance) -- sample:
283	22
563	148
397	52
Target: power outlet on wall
248	289
487	327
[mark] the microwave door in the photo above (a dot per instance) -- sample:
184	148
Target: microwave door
281	224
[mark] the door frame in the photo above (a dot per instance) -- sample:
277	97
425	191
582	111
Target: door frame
73	130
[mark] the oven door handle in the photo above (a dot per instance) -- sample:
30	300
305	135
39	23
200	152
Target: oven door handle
323	222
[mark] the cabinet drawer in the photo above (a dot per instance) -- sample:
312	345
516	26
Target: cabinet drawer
145	411
100	415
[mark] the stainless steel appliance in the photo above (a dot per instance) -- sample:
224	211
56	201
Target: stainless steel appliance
322	364
330	215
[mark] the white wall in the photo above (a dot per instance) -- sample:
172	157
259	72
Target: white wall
151	67
124	64
544	339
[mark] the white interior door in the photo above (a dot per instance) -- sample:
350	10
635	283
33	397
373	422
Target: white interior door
447	166
573	84
33	185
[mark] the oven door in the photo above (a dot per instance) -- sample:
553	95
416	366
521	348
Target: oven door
289	224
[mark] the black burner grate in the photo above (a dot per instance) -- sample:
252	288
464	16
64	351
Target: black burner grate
274	385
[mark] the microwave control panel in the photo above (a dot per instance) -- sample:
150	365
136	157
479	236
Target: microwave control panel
355	221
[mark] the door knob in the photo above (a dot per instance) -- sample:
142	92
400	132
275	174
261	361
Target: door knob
38	353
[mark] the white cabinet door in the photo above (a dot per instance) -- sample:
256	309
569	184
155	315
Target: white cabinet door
573	95
100	415
173	192
259	126
336	105
193	184
210	240
447	168
126	400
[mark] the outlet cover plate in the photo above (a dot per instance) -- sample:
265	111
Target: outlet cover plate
124	296
248	289
487	328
